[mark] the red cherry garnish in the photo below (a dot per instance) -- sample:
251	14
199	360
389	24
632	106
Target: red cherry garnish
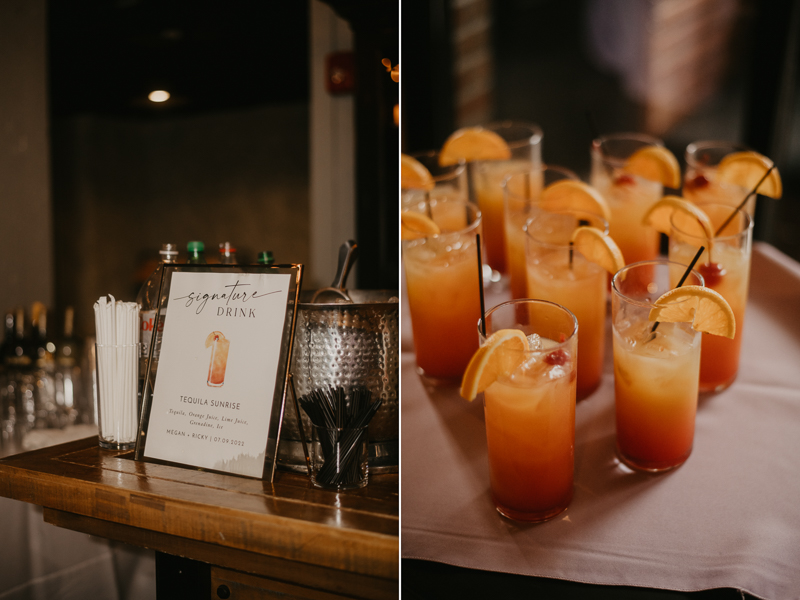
557	357
624	179
700	181
712	273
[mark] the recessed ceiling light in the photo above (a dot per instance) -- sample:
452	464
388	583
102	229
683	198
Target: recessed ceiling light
158	96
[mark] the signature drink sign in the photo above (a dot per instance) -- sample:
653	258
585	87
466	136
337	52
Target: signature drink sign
218	396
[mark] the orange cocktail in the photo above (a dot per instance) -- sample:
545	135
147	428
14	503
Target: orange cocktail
557	271
702	183
655	372
525	146
530	413
521	192
442	283
629	196
449	182
725	266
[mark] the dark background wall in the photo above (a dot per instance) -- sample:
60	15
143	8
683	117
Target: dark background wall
683	70
123	186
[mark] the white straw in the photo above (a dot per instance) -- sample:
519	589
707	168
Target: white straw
117	329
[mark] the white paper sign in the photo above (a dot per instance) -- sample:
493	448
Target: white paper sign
217	370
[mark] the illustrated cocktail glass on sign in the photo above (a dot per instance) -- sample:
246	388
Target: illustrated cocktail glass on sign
440	257
526	369
218	363
423	179
631	170
569	259
720	172
659	309
492	153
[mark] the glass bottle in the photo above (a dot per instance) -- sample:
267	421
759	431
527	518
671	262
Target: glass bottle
148	306
7	383
9	333
266	258
197	254
227	254
68	381
20	389
40	347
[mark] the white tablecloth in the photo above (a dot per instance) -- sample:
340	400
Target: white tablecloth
729	517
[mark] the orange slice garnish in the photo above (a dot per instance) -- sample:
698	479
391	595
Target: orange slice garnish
571	195
704	308
745	169
473	143
212	336
414	175
693	220
655	163
599	248
415	225
499	356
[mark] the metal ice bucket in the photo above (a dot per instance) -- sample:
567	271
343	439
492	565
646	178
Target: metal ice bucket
346	345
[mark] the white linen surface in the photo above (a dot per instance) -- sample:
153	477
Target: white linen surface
729	517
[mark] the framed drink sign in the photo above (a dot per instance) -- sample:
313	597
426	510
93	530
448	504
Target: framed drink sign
216	385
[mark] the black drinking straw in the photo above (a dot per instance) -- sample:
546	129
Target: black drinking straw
680	283
480	286
341	425
743	202
581	223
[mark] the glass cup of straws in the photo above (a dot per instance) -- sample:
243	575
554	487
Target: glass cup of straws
117	397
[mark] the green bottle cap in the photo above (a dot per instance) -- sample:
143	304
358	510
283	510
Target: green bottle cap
196	247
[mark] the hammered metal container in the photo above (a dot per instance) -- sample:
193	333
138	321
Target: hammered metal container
338	344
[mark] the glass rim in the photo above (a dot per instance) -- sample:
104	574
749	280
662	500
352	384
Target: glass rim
569	174
472	206
745	231
565	245
456	170
518	301
694	147
534	139
642	263
599	142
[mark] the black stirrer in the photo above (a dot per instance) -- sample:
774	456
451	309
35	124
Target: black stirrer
680	283
480	285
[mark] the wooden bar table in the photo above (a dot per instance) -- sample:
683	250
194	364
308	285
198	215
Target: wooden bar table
220	536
